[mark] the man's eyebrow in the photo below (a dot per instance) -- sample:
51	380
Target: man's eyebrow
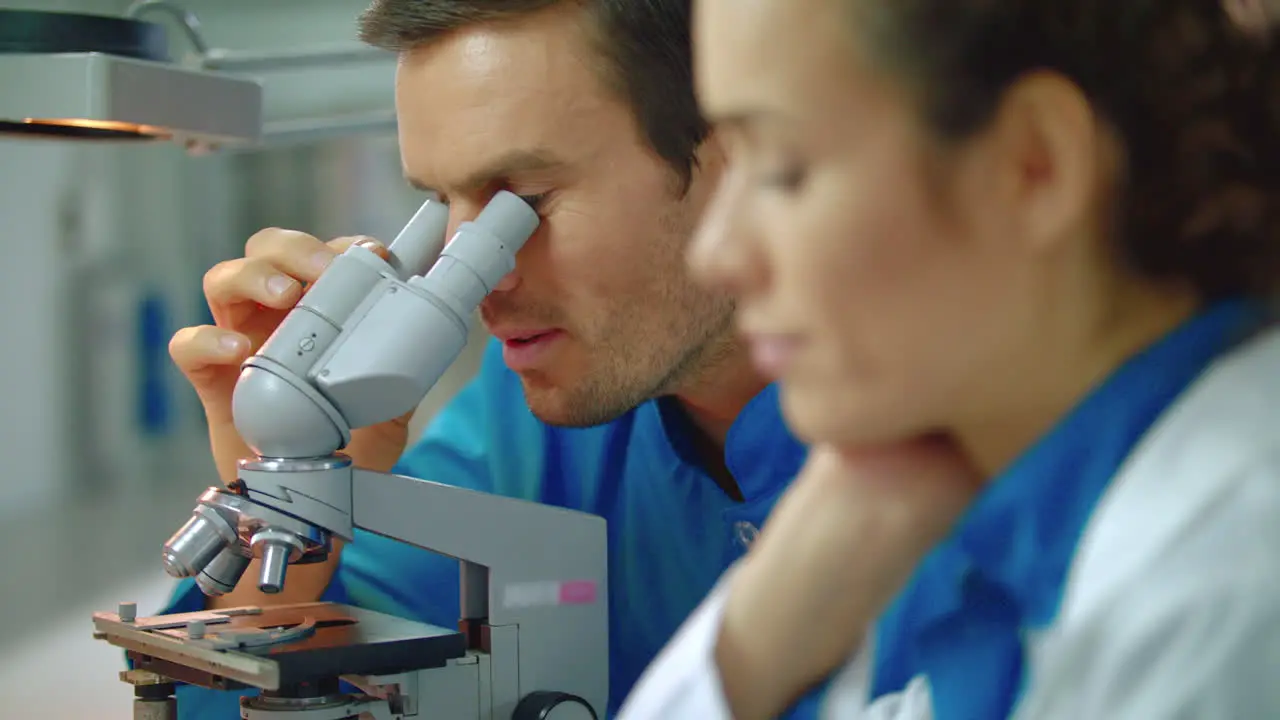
504	166
728	120
744	118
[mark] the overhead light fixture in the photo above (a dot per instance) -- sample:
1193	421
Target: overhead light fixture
80	76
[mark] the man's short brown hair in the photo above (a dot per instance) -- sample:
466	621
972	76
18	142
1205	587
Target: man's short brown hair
644	44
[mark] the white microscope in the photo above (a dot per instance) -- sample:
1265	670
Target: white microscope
364	345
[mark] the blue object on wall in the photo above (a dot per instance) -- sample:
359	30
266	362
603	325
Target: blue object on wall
155	407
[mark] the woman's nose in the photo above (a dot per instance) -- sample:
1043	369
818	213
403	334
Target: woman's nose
725	253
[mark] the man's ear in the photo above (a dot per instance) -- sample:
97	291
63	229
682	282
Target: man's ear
712	152
711	160
1052	147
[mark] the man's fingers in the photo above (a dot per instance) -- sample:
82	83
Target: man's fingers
278	267
250	279
340	245
293	253
195	349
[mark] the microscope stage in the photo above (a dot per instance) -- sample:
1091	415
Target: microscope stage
279	647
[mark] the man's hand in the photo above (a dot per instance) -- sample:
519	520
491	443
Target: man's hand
839	546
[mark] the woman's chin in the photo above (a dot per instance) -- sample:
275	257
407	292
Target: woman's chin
821	415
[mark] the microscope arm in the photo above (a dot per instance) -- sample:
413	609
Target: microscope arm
534	577
525	566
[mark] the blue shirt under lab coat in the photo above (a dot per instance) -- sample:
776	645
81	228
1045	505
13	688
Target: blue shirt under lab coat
672	530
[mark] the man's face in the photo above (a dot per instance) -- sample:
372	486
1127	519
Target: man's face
599	314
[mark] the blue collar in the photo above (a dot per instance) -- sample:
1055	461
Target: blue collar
1022	532
760	450
961	619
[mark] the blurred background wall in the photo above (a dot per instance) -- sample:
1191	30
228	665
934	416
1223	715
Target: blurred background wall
102	250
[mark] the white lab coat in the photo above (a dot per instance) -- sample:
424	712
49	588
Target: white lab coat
1172	602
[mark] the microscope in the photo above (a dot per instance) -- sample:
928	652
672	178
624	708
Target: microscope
365	344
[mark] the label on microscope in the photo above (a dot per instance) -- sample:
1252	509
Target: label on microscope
550	592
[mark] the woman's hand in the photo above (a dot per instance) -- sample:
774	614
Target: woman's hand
841	543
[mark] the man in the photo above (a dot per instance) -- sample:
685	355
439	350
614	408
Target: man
615	384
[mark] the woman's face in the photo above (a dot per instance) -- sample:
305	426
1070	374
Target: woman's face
883	279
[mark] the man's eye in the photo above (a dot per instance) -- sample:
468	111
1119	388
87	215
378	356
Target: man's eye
787	179
534	201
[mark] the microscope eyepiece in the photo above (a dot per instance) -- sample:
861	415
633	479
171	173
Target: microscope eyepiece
509	217
418	245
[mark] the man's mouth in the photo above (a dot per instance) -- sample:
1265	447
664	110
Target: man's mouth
527	339
528	350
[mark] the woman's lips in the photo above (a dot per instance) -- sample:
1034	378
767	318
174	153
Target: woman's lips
773	354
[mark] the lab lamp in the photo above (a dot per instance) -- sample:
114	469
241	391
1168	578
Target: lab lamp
98	77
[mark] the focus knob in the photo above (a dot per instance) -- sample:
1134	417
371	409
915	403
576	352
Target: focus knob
552	705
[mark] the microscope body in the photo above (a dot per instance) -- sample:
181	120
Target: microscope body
364	345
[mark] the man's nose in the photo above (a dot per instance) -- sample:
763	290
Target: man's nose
507	283
460	212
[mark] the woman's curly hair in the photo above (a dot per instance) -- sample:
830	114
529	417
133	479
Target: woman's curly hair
1193	96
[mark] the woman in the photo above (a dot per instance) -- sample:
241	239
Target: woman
1007	259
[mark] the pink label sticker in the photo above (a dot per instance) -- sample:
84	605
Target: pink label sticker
577	592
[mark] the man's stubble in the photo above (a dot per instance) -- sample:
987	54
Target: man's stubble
644	347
